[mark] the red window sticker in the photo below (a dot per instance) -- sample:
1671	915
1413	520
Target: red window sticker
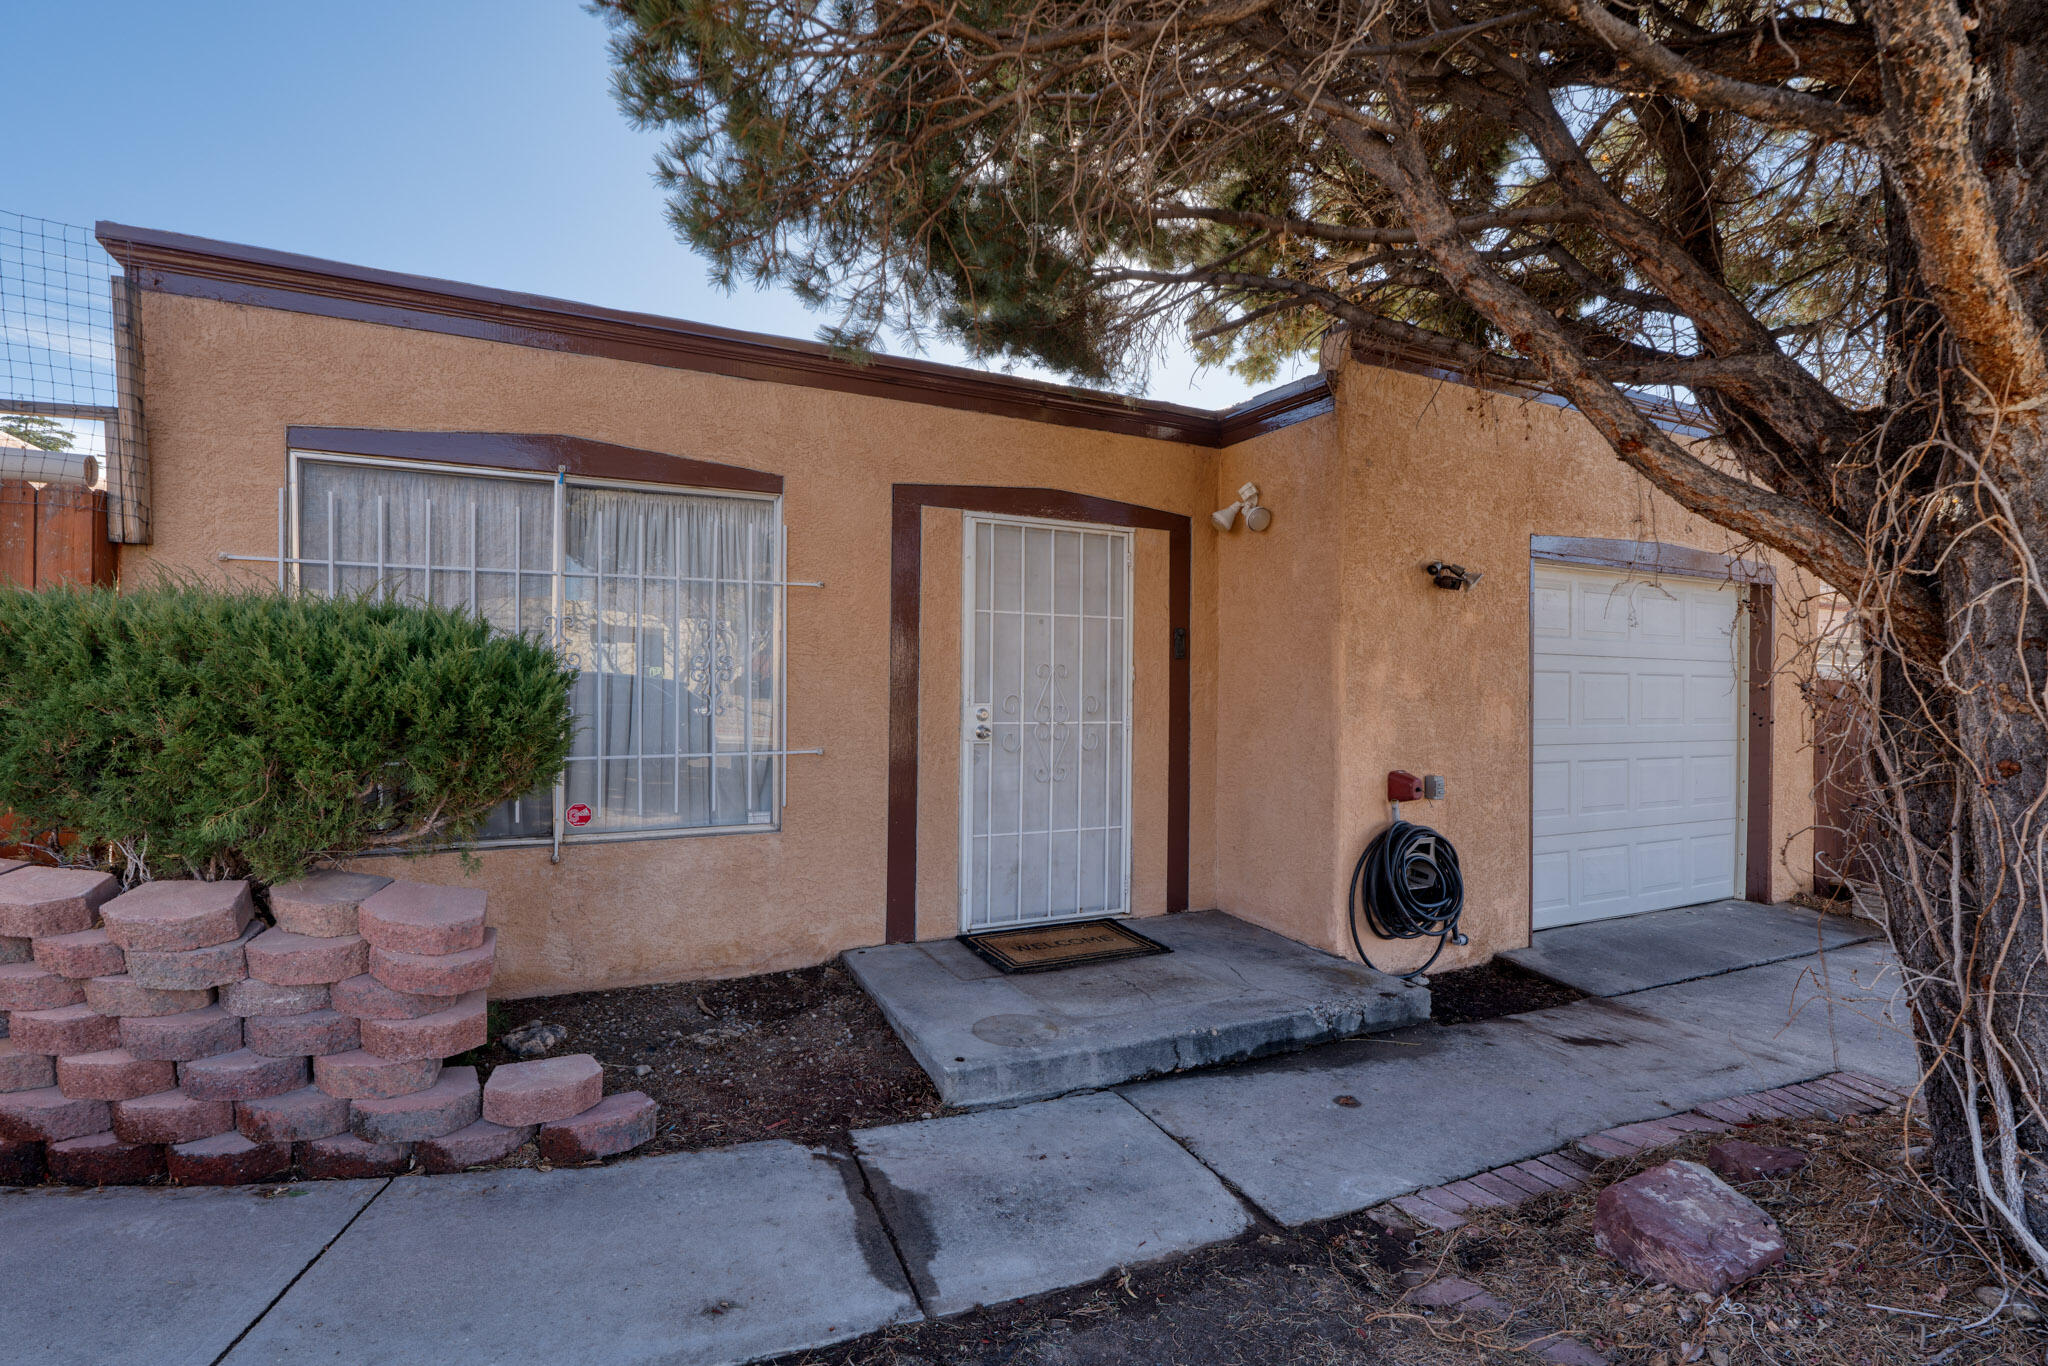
578	815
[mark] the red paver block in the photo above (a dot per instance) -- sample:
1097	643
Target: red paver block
366	998
176	915
1428	1212
365	1076
461	1027
21	1162
1830	1102
15	949
1529	1186
31	986
416	917
296	960
182	1037
614	1125
1695	1124
64	1031
227	1160
543	1091
250	999
1495	1184
1448	1293
452	1102
21	1070
1573	1171
49	1116
1600	1146
89	953
1853	1101
294	1117
121	995
1727	1111
37	902
314	1034
1650	1133
114	1074
216	965
1876	1085
436	974
1547	1177
323	904
344	1157
172	1117
1473	1196
473	1145
241	1075
104	1160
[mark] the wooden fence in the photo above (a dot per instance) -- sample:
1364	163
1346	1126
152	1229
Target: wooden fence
51	535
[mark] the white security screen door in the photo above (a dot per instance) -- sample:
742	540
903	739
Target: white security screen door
1045	754
1635	709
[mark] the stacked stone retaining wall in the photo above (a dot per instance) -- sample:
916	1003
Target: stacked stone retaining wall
172	1031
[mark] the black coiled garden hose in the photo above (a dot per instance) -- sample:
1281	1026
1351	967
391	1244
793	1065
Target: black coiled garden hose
1407	886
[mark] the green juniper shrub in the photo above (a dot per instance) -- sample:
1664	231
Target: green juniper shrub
193	731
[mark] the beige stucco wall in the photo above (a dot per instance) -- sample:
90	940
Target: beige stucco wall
1320	655
225	381
1338	660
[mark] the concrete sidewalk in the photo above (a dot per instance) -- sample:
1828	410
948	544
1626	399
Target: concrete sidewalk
750	1252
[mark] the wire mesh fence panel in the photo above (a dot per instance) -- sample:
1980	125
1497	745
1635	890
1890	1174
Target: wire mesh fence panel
70	370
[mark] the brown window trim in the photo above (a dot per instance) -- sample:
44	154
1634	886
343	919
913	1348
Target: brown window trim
543	452
906	609
1661	557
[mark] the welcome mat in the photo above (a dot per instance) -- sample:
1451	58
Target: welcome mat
1043	948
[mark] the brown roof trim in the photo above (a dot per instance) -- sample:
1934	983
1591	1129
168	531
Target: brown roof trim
1276	408
534	451
198	267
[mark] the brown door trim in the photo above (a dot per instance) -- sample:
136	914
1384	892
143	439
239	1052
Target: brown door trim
906	611
1658	557
545	452
1762	733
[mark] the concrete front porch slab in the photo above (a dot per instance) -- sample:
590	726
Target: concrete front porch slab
155	1277
1006	1203
1637	952
692	1259
1229	991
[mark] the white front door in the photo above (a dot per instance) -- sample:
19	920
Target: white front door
1045	752
1636	723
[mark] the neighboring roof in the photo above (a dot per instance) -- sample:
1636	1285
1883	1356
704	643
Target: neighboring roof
199	267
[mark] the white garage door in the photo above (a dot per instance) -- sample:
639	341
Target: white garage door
1636	718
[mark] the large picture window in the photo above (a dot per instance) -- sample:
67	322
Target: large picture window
667	602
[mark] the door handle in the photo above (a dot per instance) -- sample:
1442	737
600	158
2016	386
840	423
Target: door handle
982	732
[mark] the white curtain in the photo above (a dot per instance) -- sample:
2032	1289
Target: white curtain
475	542
668	616
669	613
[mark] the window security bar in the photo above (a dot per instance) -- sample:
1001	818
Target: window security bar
289	567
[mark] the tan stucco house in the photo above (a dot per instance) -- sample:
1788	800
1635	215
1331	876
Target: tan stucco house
874	651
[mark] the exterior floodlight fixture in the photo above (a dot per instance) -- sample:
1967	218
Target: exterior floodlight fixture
1455	577
1256	518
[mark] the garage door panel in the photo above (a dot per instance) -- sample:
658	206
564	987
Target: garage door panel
1636	744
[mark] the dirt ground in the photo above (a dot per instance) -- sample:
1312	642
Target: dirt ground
801	1055
1493	989
805	1055
1873	1279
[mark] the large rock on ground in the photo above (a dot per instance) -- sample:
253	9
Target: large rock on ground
1680	1224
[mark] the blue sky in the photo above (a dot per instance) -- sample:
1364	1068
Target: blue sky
472	141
